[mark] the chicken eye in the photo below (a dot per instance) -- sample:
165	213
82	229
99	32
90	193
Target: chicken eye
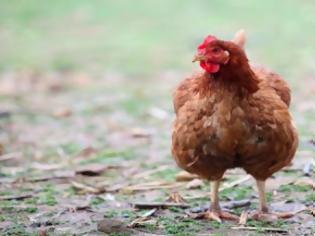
216	50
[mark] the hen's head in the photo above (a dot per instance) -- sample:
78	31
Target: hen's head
211	55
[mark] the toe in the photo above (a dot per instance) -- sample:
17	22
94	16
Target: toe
228	216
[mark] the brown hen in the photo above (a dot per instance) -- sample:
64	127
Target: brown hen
232	115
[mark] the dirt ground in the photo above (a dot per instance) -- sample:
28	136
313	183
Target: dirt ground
80	153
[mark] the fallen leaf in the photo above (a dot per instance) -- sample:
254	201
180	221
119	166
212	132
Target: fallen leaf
175	197
45	166
305	181
144	218
140	133
194	184
150	186
84	188
185	176
111	226
9	156
17	197
149	205
61	112
243	218
92	169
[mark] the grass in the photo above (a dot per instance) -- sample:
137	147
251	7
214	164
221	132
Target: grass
149	37
238	193
138	52
294	188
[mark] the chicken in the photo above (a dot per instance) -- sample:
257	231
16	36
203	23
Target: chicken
232	115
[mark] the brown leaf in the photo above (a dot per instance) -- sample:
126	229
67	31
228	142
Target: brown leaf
243	218
149	205
45	166
61	112
140	133
185	176
175	197
144	218
84	188
194	184
16	197
9	156
88	151
150	186
92	169
305	181
112	226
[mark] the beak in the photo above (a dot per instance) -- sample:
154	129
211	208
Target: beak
198	57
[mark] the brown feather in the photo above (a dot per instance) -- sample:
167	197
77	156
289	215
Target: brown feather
236	118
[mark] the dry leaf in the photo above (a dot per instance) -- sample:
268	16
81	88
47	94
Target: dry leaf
92	169
140	133
144	218
194	184
243	218
150	186
305	181
86	188
9	156
44	166
185	176
175	197
62	112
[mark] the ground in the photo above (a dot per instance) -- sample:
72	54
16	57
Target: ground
86	113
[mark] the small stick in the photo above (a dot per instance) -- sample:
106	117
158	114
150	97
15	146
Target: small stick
265	229
243	218
18	197
9	156
144	205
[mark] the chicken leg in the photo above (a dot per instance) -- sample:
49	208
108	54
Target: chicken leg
215	213
263	211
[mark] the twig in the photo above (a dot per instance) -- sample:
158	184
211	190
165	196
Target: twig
18	197
149	172
226	186
86	188
265	229
143	218
236	204
145	205
9	156
150	186
234	183
243	218
53	176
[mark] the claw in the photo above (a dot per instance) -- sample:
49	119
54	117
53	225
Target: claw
269	217
217	216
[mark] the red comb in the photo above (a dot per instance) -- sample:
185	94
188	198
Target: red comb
207	40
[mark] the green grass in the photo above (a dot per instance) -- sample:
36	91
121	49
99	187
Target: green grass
287	188
237	193
150	36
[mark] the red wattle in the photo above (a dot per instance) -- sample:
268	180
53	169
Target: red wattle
210	67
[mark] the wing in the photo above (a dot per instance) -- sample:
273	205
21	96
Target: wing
185	91
274	81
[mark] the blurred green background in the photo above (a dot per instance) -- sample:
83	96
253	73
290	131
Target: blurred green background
90	82
150	44
142	38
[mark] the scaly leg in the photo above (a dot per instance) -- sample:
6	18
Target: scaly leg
215	213
263	212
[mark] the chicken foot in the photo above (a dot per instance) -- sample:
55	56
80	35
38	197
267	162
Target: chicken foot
263	212
215	213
